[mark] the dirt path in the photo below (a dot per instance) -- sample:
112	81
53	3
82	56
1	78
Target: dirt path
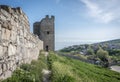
46	75
46	72
115	68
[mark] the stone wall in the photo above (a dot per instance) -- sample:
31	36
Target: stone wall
17	44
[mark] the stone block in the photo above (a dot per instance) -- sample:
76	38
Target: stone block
11	65
6	8
4	42
1	69
12	22
3	17
5	24
9	25
1	50
4	67
5	34
0	20
8	73
0	27
0	37
5	50
13	36
11	50
21	32
6	14
18	40
19	10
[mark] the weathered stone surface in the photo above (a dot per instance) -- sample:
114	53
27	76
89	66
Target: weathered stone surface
6	8
17	44
1	71
7	73
5	24
5	34
0	27
1	50
5	43
3	17
5	50
13	36
0	36
4	67
11	50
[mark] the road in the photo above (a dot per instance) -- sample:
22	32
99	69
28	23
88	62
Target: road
115	68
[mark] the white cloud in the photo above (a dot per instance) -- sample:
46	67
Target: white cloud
57	1
104	11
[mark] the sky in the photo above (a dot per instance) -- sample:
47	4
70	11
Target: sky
76	21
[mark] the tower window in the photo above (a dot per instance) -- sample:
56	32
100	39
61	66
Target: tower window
48	32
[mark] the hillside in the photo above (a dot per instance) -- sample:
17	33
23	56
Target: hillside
70	70
112	44
63	70
104	53
116	41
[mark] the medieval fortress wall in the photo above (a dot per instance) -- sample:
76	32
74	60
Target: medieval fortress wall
17	44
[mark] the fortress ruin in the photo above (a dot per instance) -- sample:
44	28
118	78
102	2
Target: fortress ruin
45	31
17	44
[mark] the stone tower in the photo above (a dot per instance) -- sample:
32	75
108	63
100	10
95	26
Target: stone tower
45	31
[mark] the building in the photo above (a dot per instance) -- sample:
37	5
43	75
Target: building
46	32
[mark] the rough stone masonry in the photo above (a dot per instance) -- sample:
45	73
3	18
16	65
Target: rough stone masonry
17	44
46	32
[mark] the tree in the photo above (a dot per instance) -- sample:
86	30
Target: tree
104	56
90	51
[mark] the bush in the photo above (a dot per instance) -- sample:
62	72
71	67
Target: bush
20	75
25	67
103	56
90	51
29	72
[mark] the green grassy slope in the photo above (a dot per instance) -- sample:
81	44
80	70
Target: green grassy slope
70	70
63	70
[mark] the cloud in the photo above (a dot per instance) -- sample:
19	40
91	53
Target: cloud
57	1
104	11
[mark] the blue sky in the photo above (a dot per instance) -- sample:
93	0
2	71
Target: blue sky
76	21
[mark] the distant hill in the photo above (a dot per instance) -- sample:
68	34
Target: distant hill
107	45
112	44
89	52
112	41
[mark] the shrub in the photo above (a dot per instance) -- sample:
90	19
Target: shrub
25	67
20	75
29	72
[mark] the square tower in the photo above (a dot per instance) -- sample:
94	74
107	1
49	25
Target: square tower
45	31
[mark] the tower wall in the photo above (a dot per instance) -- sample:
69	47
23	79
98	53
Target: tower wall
46	32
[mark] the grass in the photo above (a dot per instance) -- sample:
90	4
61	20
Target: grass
29	72
63	70
69	70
